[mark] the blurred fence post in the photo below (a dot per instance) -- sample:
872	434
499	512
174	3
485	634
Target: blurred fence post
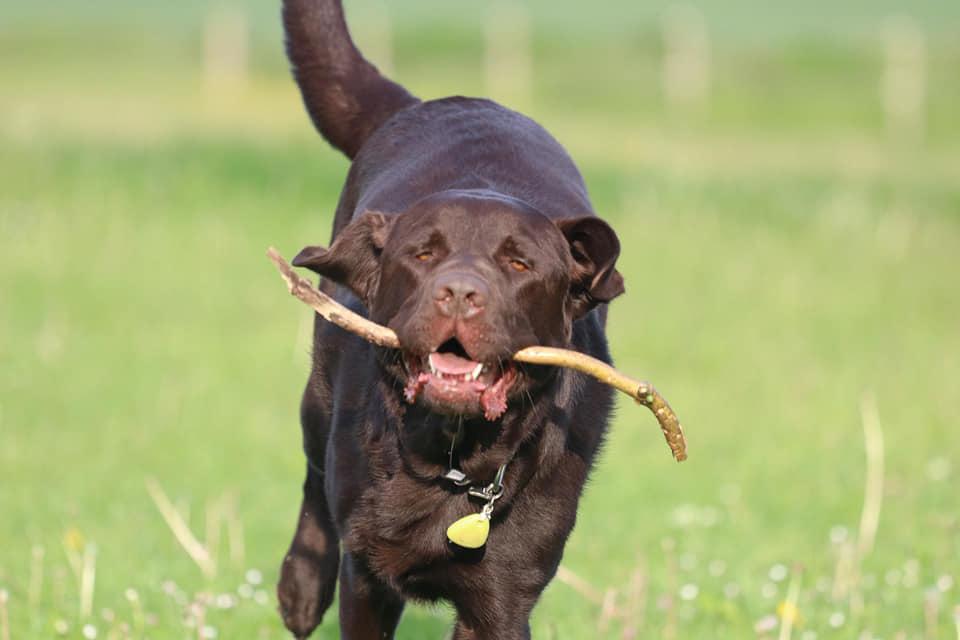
686	61
226	50
508	60
904	78
373	31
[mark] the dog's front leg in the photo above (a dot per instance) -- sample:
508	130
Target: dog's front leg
497	606
501	614
368	609
495	630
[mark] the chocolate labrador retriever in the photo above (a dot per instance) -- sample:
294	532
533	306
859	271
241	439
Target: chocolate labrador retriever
442	471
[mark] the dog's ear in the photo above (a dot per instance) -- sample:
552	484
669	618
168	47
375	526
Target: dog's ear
353	259
595	248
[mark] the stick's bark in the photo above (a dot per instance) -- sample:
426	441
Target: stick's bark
643	392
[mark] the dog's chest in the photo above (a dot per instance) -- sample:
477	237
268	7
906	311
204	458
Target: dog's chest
399	528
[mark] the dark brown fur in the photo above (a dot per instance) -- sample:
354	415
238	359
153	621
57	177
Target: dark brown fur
477	188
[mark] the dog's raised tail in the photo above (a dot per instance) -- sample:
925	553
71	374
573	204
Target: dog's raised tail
345	95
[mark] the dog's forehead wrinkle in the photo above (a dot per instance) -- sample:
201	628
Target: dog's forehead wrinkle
477	206
481	226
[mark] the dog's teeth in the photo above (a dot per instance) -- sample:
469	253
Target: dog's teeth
466	377
477	370
433	369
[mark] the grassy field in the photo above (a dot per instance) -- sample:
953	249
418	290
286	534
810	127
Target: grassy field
792	272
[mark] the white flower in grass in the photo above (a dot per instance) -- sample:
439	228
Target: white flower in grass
254	576
61	627
89	632
945	583
808	635
131	594
731	590
208	632
839	534
689	591
938	469
837	619
108	615
766	624
778	573
261	597
226	601
684	515
717	568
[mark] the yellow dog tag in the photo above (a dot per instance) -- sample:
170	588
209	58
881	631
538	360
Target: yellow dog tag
470	531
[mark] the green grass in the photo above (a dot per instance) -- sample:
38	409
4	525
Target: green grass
783	259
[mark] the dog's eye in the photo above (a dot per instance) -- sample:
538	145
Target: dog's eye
519	265
424	256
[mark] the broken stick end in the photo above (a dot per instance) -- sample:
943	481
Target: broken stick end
649	397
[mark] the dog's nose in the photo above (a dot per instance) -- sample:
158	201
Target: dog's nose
460	294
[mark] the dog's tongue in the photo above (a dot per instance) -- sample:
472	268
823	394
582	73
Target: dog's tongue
451	364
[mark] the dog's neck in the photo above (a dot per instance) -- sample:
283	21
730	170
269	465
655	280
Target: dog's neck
425	439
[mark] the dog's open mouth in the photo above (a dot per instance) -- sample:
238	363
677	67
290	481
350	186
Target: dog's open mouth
449	380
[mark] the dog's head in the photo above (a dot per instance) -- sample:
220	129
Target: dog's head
466	279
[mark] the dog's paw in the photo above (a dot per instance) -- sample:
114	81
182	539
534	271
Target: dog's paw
305	591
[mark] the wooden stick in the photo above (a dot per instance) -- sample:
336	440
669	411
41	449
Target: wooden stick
643	392
330	309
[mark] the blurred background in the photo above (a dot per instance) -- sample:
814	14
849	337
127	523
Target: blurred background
785	179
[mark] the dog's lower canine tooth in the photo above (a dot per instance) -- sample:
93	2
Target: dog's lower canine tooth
476	371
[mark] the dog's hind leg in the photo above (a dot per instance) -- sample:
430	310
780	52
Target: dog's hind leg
308	576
